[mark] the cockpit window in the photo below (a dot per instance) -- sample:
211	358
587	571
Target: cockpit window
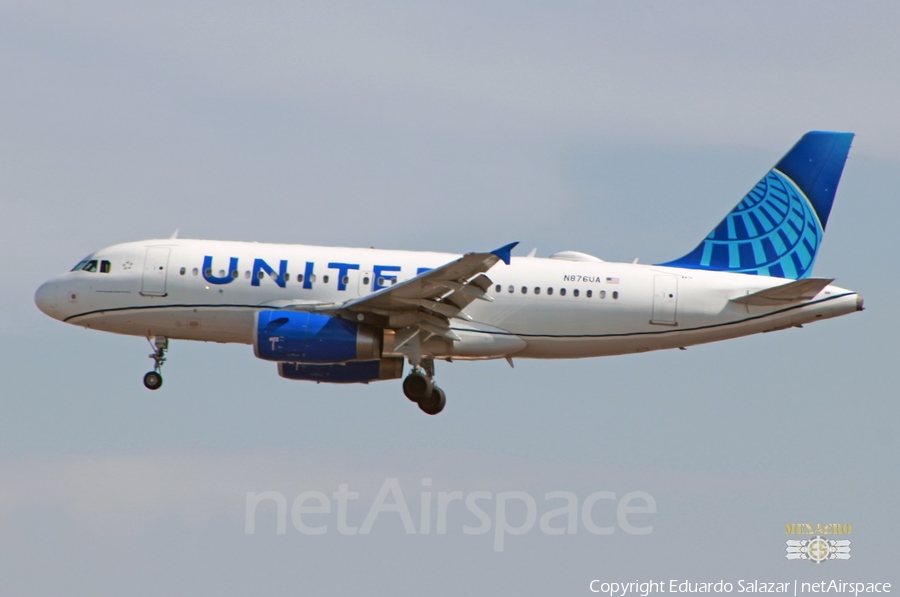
80	265
104	267
90	266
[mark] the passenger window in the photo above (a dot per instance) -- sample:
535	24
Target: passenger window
325	279
511	289
550	290
602	294
345	280
366	280
260	275
498	288
312	278
299	277
182	271
195	271
247	274
524	290
208	272
589	293
615	294
562	292
105	267
221	273
537	289
235	274
575	292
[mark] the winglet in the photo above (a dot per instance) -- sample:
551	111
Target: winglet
505	252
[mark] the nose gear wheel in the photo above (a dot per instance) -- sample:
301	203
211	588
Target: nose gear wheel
153	379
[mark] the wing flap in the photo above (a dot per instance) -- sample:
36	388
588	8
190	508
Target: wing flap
444	291
427	302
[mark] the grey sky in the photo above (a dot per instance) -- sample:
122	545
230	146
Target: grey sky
620	129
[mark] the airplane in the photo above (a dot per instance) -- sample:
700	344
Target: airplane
357	315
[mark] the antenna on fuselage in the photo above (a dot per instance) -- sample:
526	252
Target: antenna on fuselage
532	254
174	234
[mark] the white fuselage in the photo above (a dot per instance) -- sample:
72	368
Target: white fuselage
570	306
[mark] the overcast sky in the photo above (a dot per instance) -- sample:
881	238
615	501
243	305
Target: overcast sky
619	129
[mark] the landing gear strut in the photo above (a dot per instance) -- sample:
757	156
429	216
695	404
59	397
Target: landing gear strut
153	380
420	388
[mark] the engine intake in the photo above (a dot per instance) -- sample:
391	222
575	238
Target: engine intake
352	372
313	338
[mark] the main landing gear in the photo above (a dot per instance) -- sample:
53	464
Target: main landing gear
153	380
420	388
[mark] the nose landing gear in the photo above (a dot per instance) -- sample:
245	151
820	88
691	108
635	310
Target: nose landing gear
153	380
420	388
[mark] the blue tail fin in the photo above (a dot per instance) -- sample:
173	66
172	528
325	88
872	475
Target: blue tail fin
777	228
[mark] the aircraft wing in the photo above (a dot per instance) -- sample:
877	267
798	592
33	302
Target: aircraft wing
432	298
792	292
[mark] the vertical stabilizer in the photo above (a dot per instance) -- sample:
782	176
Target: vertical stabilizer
777	228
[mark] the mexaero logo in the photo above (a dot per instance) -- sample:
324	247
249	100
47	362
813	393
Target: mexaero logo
818	549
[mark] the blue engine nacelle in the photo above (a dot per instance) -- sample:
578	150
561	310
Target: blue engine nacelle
313	338
352	372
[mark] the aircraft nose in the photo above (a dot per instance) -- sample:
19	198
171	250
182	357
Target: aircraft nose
45	297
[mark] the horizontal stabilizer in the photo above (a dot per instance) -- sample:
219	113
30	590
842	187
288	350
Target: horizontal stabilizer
792	292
